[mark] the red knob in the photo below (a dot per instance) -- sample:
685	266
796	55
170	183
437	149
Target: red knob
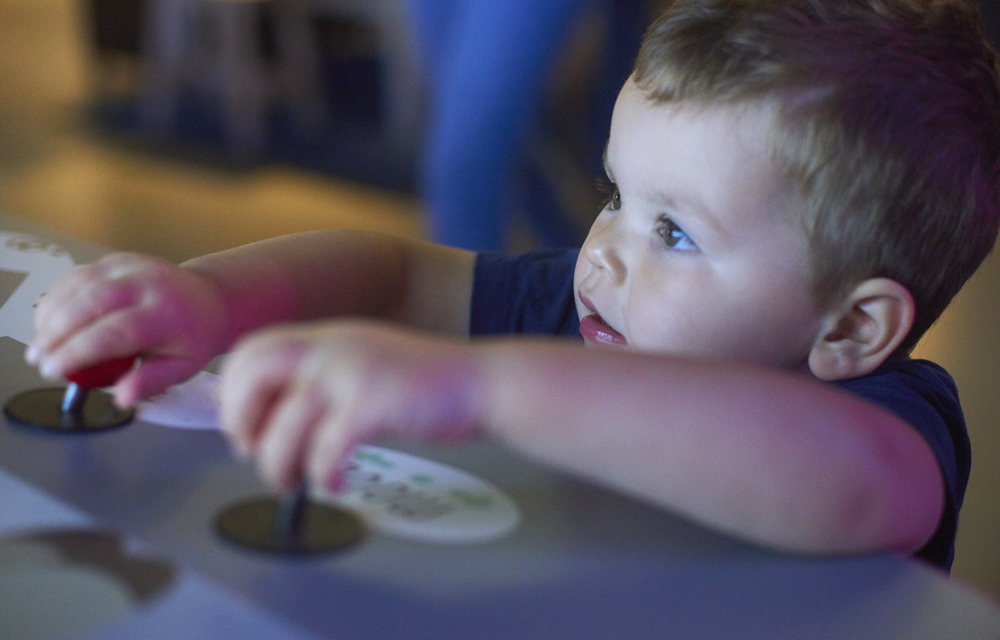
102	374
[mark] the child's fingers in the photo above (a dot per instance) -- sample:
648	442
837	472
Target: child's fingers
118	334
301	398
62	314
243	408
153	377
57	314
332	443
66	287
278	390
253	378
81	278
286	437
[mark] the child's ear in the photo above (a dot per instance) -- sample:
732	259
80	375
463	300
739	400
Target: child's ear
859	334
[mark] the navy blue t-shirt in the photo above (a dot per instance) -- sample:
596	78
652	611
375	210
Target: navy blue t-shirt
532	293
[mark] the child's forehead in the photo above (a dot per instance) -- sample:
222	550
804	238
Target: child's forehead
758	117
701	158
646	133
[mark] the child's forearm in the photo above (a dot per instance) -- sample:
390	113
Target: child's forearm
768	456
326	274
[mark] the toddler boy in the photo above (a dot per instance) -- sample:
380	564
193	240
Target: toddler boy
798	189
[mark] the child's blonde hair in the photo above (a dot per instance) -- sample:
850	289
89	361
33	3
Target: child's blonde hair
888	126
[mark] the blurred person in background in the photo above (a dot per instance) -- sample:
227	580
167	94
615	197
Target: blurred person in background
489	67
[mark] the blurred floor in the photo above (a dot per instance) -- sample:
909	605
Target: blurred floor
55	172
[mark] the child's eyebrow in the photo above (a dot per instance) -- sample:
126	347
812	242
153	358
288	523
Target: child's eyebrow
606	162
706	218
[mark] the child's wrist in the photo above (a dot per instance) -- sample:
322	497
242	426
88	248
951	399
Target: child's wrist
248	302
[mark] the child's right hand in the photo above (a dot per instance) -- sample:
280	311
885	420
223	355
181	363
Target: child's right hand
128	304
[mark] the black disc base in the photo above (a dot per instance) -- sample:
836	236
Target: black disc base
324	528
42	409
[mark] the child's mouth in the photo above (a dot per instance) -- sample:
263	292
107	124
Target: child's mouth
594	329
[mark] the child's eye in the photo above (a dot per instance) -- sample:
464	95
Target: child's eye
615	201
673	236
612	197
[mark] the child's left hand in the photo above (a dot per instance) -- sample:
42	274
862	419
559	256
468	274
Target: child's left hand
299	398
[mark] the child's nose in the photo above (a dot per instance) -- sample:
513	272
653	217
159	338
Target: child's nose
603	249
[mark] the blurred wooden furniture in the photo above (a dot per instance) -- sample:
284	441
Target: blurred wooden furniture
216	46
401	82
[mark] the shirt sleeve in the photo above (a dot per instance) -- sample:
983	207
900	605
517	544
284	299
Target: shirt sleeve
530	293
924	395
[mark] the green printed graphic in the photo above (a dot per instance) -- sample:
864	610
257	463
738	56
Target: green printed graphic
374	457
472	499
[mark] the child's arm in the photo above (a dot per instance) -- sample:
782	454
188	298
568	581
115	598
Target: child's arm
178	318
769	456
778	458
326	274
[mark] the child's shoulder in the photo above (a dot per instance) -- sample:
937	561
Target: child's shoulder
524	293
909	372
903	382
923	394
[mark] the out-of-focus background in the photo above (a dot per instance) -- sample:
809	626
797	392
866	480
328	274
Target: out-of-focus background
202	159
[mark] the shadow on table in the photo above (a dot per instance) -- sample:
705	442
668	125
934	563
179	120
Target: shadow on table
61	583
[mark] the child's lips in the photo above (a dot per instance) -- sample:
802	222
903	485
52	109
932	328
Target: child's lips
594	329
